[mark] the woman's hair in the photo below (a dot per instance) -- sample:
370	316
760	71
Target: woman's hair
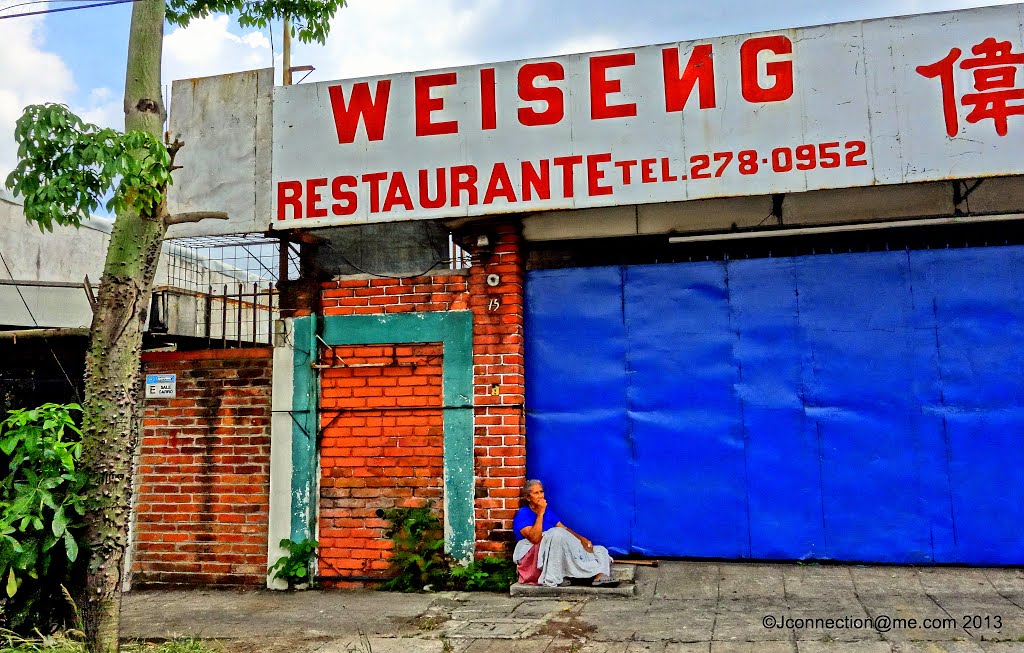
526	488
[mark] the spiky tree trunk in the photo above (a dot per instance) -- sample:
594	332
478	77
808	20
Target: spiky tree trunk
112	378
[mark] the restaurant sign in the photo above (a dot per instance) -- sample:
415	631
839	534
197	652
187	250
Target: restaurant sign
890	101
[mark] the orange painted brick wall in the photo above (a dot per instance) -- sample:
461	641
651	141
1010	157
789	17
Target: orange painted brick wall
498	361
203	474
382	447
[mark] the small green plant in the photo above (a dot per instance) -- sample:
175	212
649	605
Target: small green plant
487	575
418	559
42	504
294	568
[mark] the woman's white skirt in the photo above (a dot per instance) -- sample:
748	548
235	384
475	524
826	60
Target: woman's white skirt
562	556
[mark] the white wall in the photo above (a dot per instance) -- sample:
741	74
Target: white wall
64	256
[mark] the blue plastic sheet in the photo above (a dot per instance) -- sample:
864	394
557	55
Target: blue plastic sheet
784	488
973	302
854	310
578	443
683	413
852	407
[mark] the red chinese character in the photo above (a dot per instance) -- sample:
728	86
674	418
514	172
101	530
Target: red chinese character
943	69
995	75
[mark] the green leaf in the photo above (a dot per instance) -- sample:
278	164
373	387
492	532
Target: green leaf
60	522
12	584
50	483
70	546
8	444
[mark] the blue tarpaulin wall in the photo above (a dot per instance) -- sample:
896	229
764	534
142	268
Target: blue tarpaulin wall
863	407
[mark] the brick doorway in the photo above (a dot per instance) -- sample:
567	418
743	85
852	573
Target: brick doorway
382	447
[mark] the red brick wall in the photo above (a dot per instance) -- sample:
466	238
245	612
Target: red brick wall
381	447
498	388
203	475
499	424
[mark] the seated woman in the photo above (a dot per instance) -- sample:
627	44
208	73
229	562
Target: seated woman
546	544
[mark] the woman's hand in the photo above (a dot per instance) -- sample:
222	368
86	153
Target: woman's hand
588	546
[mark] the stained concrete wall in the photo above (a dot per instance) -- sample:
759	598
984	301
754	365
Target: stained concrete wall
225	123
65	256
50	269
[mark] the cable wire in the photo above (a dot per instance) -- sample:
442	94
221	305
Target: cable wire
46	2
53	11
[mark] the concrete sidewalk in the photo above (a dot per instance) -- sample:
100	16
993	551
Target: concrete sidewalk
679	607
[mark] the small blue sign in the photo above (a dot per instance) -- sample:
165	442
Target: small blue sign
161	386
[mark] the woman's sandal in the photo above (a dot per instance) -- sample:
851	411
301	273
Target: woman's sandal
605	582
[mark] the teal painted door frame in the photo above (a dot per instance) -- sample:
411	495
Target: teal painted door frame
454	330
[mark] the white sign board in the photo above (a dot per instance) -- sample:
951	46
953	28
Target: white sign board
889	101
224	124
161	386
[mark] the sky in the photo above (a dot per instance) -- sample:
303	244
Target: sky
78	57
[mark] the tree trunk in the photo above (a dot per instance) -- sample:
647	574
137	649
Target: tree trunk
112	376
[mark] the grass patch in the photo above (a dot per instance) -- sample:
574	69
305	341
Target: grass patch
71	642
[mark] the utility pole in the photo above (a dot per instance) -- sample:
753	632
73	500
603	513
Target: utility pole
286	79
286	52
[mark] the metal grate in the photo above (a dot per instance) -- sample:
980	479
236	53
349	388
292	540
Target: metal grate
197	263
222	288
458	258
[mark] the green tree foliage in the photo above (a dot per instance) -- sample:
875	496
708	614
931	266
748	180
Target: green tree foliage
66	166
312	19
42	502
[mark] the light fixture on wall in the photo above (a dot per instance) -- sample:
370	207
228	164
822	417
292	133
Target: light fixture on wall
484	246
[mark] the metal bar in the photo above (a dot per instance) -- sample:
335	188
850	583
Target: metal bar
270	314
282	262
286	51
378	409
39	284
344	366
867	226
43	333
238	316
224	320
255	300
209	317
